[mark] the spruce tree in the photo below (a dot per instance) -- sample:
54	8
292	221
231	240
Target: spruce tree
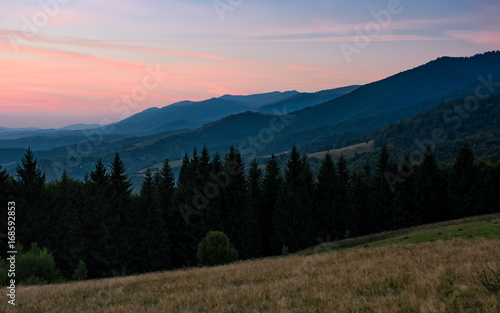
69	244
5	198
292	219
345	212
120	213
382	194
430	191
238	217
271	186
152	246
97	223
464	194
186	214
32	202
325	208
213	191
404	202
362	200
165	186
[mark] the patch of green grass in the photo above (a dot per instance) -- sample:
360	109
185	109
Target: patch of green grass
486	226
488	229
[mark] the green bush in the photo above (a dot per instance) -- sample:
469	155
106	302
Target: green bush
215	249
36	266
80	271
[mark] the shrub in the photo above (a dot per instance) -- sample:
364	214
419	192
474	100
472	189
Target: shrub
36	266
215	249
491	280
80	271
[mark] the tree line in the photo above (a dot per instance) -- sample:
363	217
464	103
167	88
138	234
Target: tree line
100	222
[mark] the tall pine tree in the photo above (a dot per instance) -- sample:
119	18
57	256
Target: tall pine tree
292	220
120	213
464	194
32	203
325	207
238	217
152	249
97	224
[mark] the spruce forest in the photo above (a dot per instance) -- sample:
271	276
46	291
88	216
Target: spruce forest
100	228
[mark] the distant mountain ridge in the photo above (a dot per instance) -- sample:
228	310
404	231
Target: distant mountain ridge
359	112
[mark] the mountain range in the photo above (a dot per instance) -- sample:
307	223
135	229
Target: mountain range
264	123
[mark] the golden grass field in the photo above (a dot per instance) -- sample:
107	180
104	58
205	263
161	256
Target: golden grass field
440	276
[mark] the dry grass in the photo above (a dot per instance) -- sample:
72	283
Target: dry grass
440	276
348	152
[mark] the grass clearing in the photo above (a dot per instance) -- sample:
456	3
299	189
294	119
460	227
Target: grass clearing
390	276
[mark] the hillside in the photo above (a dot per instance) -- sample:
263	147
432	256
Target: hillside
435	276
333	124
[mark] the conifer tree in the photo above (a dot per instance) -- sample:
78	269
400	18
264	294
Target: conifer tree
120	214
325	207
292	219
213	191
430	193
239	220
346	216
5	198
97	223
271	186
183	214
404	205
382	194
152	246
165	186
361	198
464	194
69	243
32	202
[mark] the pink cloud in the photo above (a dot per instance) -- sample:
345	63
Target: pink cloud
475	36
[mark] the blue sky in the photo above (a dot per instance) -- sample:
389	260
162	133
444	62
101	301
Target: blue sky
68	61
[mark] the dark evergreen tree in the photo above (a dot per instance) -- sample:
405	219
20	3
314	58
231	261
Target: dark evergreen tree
238	218
255	199
69	244
213	191
32	202
120	217
346	218
464	194
271	186
165	186
403	207
152	246
186	215
97	223
325	208
292	219
362	200
382	192
5	198
430	191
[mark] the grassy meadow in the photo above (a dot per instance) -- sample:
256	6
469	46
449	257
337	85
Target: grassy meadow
437	274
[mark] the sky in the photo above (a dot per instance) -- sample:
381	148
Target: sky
73	61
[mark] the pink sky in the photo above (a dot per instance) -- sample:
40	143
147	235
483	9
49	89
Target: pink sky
84	56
